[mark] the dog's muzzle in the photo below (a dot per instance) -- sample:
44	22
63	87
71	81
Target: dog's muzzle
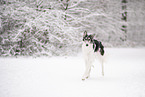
87	45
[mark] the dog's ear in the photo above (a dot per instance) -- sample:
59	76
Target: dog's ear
85	34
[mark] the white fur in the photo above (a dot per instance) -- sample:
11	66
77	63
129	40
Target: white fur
89	57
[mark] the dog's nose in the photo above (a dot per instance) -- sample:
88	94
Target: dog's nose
87	45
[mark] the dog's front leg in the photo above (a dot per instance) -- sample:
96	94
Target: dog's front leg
87	71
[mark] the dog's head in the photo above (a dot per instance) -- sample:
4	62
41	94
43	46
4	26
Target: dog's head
88	39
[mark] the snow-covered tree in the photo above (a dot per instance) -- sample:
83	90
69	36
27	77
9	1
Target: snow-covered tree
37	30
55	27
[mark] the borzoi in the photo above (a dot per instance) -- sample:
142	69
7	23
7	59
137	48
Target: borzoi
91	48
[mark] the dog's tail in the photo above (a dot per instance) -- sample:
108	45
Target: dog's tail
101	49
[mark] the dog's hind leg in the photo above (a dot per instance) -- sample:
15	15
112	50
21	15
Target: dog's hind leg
101	60
102	67
102	63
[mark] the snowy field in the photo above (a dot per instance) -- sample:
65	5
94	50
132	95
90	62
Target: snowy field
61	76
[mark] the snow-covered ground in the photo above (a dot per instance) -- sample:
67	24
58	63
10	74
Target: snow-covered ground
61	76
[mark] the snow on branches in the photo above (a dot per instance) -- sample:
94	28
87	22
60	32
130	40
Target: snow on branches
55	27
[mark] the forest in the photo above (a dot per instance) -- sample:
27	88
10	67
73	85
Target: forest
55	27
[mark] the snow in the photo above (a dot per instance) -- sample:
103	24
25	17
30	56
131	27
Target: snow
61	76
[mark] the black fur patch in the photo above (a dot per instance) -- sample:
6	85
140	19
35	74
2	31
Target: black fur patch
97	45
88	38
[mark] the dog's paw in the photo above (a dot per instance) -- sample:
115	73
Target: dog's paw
83	78
86	77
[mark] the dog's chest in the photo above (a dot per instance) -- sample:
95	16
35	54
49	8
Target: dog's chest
88	51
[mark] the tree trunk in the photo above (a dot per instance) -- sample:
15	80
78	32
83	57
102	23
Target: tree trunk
66	8
124	19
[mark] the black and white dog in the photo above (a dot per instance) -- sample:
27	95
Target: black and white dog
91	48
